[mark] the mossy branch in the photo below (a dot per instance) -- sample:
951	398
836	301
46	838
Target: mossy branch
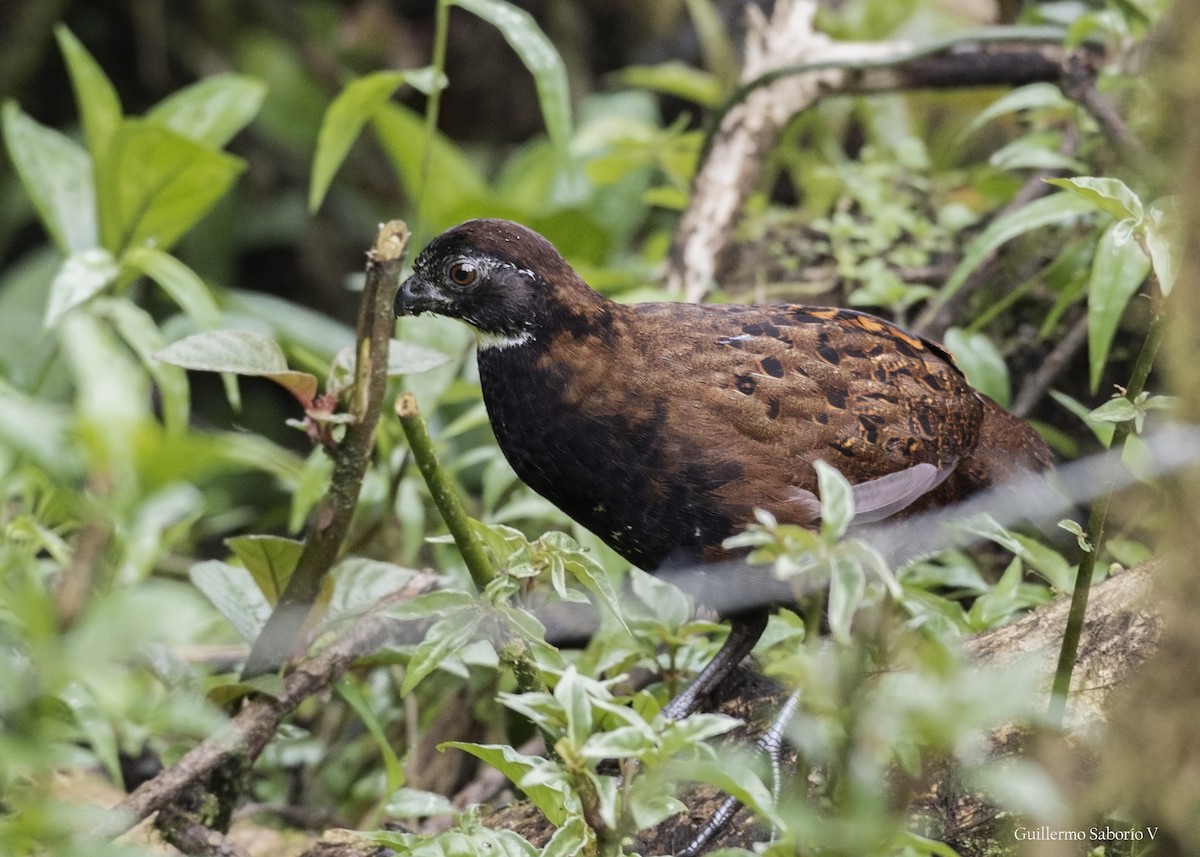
351	457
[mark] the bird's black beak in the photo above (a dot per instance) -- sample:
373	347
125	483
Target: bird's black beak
416	295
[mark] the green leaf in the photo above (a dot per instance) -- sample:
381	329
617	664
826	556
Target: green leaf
360	583
80	277
211	111
140	332
415	803
179	281
674	78
1118	270
837	501
404	358
37	429
56	172
1036	96
241	352
97	99
572	839
349	690
1161	243
154	185
738	781
1118	410
269	559
97	728
538	54
1076	529
447	636
1060	208
437	603
461	186
550	793
1111	196
234	593
847	584
981	362
354	106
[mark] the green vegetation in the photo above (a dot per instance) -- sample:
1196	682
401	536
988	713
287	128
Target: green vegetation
153	515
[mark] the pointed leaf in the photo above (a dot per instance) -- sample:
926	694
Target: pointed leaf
837	501
235	594
847	584
269	559
211	111
241	352
56	172
1118	270
80	277
154	185
550	794
1111	196
99	104
415	803
1061	208
445	638
542	60
140	332
1033	97
343	122
179	281
981	362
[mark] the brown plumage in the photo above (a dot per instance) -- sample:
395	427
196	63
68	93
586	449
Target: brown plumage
661	427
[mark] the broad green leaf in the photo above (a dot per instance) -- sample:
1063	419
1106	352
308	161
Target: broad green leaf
572	839
542	60
1162	245
97	99
1033	97
211	111
550	794
837	501
1111	196
674	78
158	523
415	803
269	559
112	394
343	122
1118	410
1032	152
360	583
241	352
439	603
1118	270
460	184
154	185
981	362
572	694
80	277
1060	208
649	803
140	332
738	781
235	594
179	281
445	638
56	172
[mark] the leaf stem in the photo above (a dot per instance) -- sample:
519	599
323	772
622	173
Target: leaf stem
1095	532
351	457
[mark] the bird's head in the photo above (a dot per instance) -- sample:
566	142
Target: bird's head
501	278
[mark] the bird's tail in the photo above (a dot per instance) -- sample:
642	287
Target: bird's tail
1008	446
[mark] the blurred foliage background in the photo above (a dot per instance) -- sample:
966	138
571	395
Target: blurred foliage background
173	169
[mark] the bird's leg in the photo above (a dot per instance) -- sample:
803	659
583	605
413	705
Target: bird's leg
743	634
771	743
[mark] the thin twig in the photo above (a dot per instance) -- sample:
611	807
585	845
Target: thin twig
1056	361
351	457
1079	84
1095	533
249	732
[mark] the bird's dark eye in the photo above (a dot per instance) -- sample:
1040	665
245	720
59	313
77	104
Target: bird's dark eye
462	273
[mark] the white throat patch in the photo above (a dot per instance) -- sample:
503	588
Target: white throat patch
500	341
